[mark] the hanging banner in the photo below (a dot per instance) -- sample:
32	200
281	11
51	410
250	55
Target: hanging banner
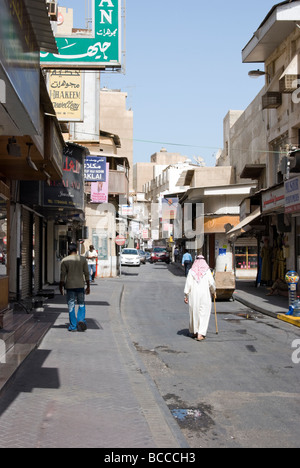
99	190
169	208
102	48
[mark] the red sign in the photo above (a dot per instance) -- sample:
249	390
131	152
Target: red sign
121	240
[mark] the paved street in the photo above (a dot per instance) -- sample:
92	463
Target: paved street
237	389
135	379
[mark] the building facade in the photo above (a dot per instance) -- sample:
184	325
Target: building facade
31	148
261	143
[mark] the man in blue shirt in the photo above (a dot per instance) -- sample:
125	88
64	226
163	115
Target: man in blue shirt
187	262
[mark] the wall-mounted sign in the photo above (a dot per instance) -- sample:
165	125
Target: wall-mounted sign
68	193
95	169
273	199
102	48
66	93
292	195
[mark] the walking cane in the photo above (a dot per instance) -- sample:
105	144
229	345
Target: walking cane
217	330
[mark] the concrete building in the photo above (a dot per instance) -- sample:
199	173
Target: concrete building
98	120
209	209
261	143
117	119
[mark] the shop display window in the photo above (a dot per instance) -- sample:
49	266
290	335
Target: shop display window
246	258
3	237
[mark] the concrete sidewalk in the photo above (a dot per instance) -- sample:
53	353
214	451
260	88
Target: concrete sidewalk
257	299
86	389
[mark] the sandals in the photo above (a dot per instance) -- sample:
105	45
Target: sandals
201	339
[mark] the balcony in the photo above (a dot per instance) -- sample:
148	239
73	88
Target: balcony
118	183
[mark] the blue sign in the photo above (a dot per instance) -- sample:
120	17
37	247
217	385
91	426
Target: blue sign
95	169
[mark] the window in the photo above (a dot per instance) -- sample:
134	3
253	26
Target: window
246	258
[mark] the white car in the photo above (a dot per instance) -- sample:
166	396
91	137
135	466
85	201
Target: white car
130	257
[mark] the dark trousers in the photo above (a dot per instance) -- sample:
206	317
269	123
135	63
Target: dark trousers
187	267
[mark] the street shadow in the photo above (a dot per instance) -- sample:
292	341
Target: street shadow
97	303
92	324
184	332
176	269
126	273
29	376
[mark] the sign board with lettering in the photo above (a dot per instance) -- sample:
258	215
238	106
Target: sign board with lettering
292	195
66	93
273	199
69	192
100	49
95	169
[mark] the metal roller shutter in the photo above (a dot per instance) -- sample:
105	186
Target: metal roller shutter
26	254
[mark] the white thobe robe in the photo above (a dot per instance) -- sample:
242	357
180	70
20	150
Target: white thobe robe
200	301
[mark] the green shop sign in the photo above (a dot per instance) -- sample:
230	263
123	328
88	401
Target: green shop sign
100	49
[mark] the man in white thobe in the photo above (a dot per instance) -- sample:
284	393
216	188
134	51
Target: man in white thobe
199	288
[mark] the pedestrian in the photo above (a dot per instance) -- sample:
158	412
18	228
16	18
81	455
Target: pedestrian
176	254
187	262
91	257
74	273
199	288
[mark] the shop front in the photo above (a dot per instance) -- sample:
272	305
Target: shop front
217	250
244	238
63	205
292	209
276	243
24	112
4	245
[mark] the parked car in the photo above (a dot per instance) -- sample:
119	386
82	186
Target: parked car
148	256
130	257
143	256
160	254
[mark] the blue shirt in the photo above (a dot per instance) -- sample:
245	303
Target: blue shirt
187	258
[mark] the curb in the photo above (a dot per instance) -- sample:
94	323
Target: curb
250	304
285	318
289	319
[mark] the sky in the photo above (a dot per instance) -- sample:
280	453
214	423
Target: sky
184	70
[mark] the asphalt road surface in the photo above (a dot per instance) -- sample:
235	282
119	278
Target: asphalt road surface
240	388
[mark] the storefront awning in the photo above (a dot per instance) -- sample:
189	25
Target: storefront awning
237	230
40	21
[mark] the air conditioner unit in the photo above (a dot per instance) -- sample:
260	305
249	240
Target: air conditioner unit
52	8
271	100
289	83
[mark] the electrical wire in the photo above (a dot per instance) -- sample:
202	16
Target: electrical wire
185	145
